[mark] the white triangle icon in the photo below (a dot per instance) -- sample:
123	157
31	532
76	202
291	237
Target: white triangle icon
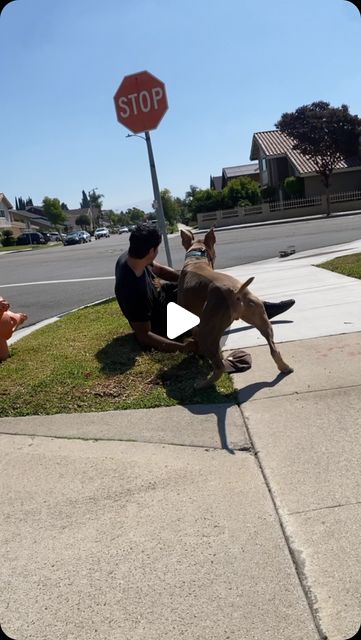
179	320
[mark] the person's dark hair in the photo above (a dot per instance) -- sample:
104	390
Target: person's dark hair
142	239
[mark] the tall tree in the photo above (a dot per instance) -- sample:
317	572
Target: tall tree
84	201
324	134
64	206
55	214
29	202
95	199
83	221
170	207
20	204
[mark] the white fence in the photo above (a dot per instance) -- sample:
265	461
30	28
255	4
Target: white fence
296	204
317	205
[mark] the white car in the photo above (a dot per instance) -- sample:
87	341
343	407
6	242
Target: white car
101	232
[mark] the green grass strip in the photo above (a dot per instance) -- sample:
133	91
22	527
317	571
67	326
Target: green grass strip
90	361
346	265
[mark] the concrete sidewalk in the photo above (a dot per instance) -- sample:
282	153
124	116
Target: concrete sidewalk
209	523
192	522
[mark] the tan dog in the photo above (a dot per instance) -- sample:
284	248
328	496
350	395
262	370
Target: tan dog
218	299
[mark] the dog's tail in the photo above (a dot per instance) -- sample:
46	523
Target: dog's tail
245	285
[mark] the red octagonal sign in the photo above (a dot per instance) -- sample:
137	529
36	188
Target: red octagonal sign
141	102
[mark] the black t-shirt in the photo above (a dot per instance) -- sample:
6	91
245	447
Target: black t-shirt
138	297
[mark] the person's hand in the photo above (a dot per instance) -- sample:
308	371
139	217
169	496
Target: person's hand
190	345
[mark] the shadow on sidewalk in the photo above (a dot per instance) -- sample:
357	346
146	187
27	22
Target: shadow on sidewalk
179	384
250	390
249	326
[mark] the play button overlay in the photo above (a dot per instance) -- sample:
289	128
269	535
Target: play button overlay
179	320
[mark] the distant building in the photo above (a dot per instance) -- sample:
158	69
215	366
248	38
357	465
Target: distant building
278	161
230	173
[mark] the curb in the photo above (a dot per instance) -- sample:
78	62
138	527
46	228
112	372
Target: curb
22	333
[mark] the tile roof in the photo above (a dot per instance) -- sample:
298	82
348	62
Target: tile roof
275	144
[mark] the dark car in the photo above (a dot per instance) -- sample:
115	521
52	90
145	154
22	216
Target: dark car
30	237
46	236
77	237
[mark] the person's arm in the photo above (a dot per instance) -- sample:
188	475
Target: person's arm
147	338
165	273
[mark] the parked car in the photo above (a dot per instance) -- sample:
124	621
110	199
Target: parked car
101	232
123	230
87	237
46	236
30	237
77	237
54	236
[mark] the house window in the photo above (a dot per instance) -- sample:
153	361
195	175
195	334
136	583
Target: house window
2	213
263	164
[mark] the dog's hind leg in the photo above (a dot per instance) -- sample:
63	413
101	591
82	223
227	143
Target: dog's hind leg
262	323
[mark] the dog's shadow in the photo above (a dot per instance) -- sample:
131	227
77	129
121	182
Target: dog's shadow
179	381
248	392
247	327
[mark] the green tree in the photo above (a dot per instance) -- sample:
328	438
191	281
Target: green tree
64	206
55	214
84	201
170	207
95	199
205	200
29	202
83	221
20	204
134	215
240	192
324	134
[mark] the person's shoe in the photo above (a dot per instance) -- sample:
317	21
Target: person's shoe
275	308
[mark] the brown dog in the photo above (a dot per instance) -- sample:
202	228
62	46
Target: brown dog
218	299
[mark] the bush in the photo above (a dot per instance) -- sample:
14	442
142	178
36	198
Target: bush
294	187
8	239
268	193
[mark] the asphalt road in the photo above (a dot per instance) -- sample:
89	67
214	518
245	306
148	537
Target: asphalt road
47	282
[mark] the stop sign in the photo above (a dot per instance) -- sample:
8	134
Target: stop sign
141	102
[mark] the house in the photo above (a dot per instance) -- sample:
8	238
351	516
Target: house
73	214
278	161
30	221
5	215
230	173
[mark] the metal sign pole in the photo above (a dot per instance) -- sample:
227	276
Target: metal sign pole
158	199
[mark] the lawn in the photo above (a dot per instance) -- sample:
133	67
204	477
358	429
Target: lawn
346	265
89	361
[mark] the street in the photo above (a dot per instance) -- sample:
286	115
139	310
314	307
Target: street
55	280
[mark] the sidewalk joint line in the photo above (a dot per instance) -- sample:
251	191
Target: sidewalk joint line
235	449
331	506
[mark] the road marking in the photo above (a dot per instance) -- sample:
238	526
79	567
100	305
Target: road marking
28	284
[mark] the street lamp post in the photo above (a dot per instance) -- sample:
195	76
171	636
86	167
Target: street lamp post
157	197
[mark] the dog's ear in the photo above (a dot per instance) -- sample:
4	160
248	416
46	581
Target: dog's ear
244	285
187	238
210	239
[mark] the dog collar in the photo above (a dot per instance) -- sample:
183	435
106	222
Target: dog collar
197	253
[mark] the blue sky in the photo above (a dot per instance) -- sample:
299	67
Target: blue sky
230	68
